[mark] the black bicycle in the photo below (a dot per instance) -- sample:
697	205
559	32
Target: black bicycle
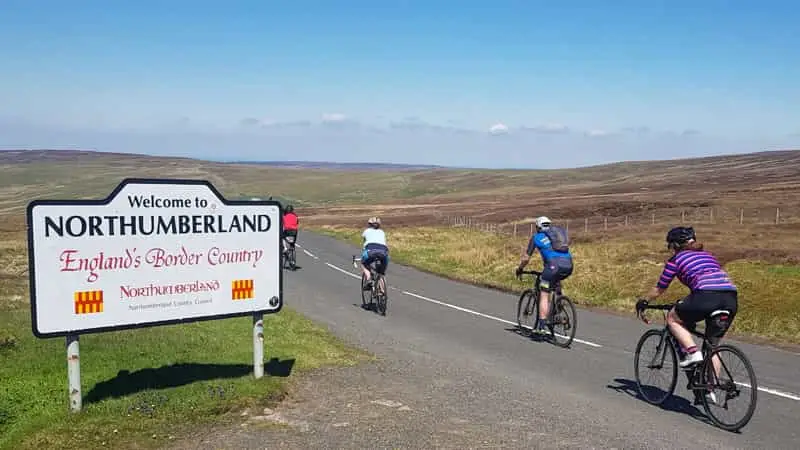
290	255
561	312
709	387
376	290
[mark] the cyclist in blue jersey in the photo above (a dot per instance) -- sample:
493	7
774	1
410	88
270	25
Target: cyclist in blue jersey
553	244
711	293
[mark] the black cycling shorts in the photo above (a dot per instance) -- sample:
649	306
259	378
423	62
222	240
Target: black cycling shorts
290	234
554	271
699	305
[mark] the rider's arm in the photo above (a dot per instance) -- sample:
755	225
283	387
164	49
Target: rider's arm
667	275
533	245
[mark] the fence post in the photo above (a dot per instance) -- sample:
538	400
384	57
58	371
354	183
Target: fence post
711	215
741	216
531	229
777	216
586	224
605	223
626	221
683	216
515	229
567	225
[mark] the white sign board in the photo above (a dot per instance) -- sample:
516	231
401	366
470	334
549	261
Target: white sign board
155	252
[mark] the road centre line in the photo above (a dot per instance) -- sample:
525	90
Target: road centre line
775	392
487	316
343	271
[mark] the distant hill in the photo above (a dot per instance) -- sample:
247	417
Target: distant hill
43	155
768	178
340	165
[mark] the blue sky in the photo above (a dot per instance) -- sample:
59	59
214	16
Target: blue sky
495	84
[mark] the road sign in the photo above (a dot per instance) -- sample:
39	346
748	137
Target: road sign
154	252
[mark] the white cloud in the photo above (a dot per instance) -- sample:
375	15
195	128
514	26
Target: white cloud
333	117
549	128
498	128
597	133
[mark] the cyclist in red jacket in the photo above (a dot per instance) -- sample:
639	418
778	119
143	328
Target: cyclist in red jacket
290	222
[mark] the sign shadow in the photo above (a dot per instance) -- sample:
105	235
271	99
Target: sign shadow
126	383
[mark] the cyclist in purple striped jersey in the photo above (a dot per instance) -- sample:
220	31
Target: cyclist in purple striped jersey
712	292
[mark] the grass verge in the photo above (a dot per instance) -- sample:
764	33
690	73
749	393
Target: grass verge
142	388
609	274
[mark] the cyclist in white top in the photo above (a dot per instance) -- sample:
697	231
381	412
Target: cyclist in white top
374	248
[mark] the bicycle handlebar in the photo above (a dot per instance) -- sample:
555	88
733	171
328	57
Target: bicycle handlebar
529	272
643	305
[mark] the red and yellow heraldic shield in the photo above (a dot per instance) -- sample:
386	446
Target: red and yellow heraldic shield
242	289
88	302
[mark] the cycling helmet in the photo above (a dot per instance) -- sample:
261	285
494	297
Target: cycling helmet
678	237
374	221
289	208
543	222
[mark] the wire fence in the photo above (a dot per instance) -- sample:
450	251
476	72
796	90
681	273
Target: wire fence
688	216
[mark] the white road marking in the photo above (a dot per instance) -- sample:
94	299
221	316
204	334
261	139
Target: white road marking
788	395
591	344
775	392
309	254
343	271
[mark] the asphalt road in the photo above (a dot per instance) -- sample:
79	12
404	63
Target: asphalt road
582	397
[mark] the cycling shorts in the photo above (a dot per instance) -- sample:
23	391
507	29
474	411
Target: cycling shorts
699	305
555	270
290	236
376	253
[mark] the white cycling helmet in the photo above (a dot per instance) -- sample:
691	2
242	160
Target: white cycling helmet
543	222
374	221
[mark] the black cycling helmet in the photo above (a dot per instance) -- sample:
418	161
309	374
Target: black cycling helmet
289	208
679	236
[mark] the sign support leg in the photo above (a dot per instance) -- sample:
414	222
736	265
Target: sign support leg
258	345
74	372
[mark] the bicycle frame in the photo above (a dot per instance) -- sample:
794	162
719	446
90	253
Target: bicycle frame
693	373
555	295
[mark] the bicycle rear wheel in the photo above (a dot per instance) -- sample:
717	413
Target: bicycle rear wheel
292	258
662	353
381	295
725	388
565	317
527	310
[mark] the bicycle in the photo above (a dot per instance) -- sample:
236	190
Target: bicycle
290	255
698	374
559	312
376	291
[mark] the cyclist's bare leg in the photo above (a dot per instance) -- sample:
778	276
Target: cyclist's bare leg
678	330
544	304
365	271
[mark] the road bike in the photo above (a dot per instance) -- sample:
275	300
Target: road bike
376	290
703	380
290	254
561	311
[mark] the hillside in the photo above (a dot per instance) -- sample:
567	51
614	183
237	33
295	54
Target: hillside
770	178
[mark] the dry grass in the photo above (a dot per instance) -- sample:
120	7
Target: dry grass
610	273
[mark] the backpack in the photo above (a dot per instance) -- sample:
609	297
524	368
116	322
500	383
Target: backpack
559	239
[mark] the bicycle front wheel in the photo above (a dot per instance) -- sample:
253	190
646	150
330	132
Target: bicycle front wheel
564	322
527	308
655	353
724	387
